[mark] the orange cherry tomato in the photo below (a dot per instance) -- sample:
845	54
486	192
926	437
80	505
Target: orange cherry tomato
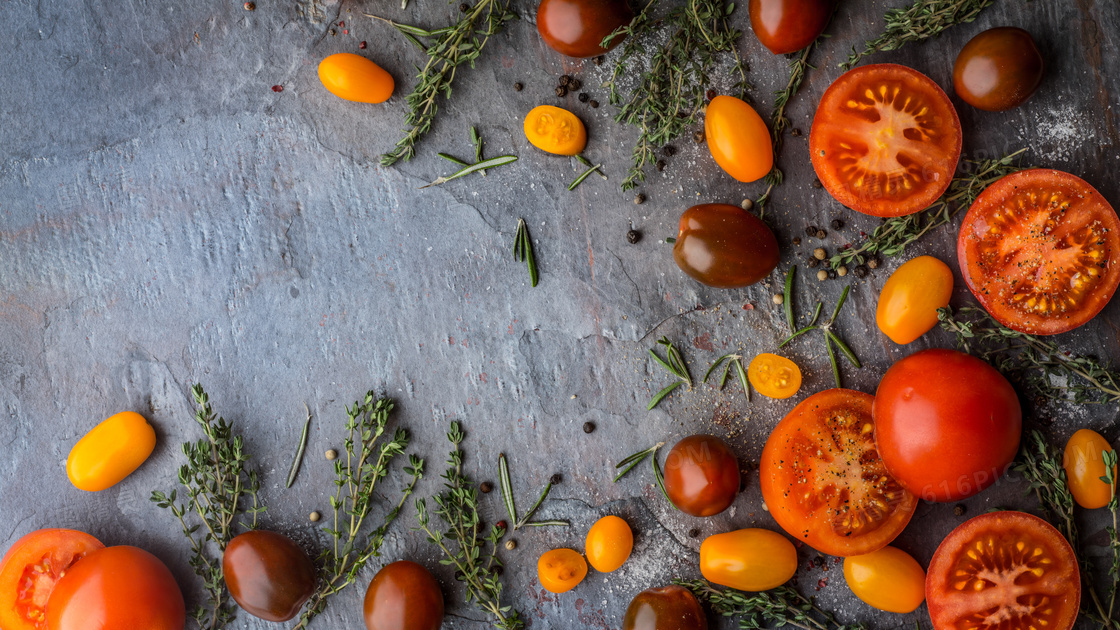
110	452
748	559
909	301
30	569
1085	466
555	130
738	139
888	579
561	570
609	543
774	376
355	78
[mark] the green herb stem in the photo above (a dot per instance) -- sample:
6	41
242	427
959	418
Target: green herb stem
473	168
830	337
298	459
918	22
777	607
583	176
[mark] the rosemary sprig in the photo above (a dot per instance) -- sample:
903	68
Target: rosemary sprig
523	251
670	93
895	234
218	483
1041	365
463	545
506	486
918	22
476	140
735	360
458	44
830	338
675	365
586	162
356	477
470	168
298	459
583	176
777	607
630	462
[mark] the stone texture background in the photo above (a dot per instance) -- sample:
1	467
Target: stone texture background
166	218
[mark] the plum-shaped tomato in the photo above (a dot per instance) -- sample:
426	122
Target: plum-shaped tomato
403	596
268	574
998	69
702	475
576	28
786	26
665	608
724	246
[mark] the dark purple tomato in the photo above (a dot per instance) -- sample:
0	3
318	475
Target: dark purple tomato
702	475
724	246
665	608
576	27
998	69
786	26
268	575
403	596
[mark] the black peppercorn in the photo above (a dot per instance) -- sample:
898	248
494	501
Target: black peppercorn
797	240
599	60
817	184
813	263
861	271
496	570
463	8
698	137
821	234
574	84
486	487
693	533
811	230
660	165
837	224
565	80
669	151
556	479
594	104
561	91
517	87
831	274
640	199
589	427
795	132
633	236
583	97
959	510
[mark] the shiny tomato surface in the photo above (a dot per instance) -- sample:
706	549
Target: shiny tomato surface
32	567
666	608
888	579
909	300
748	559
403	596
355	78
998	69
268	574
576	28
786	26
110	452
724	246
738	139
1083	461
947	424
609	543
702	475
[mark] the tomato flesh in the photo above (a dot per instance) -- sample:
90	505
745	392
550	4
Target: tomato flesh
32	567
823	481
1003	571
1040	250
885	140
561	570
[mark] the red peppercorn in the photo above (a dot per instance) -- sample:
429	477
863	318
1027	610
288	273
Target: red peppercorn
362	45
501	524
278	88
341	23
345	31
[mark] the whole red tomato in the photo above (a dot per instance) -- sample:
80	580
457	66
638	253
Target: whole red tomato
724	246
786	26
268	574
116	588
702	475
403	596
665	608
576	28
947	424
47	554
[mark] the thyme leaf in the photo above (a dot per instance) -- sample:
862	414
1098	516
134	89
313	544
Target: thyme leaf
918	22
776	607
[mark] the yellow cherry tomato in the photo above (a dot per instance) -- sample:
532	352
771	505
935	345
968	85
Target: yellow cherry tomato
738	139
1084	465
748	559
561	570
356	78
774	376
555	130
609	543
909	301
110	452
888	579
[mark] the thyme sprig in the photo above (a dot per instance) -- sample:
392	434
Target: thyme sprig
830	338
453	46
670	93
506	485
1110	461
523	251
777	607
918	22
893	236
675	365
630	462
473	554
1040	365
736	361
357	475
218	484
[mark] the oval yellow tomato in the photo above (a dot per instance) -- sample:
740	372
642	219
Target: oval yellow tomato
738	139
1084	465
609	543
555	130
561	570
355	78
748	559
888	579
909	301
774	376
110	452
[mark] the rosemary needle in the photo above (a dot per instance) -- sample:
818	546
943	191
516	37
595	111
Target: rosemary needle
630	462
586	162
300	449
579	180
523	251
830	338
506	486
452	158
473	168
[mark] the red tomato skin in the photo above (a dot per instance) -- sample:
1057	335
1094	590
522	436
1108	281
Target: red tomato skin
403	596
702	475
576	27
268	574
947	424
31	568
786	26
117	588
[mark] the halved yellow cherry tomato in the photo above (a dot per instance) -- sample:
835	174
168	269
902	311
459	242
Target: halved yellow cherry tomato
748	559
555	130
1084	465
110	452
888	579
356	78
561	570
738	139
909	301
774	376
609	543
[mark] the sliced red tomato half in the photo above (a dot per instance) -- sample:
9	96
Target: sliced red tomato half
1003	571
31	568
1040	250
885	140
823	481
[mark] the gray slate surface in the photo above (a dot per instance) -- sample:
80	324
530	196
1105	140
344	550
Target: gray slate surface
166	218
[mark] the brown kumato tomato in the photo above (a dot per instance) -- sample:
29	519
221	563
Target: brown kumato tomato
665	608
576	28
702	475
724	246
268	574
998	69
403	596
786	26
